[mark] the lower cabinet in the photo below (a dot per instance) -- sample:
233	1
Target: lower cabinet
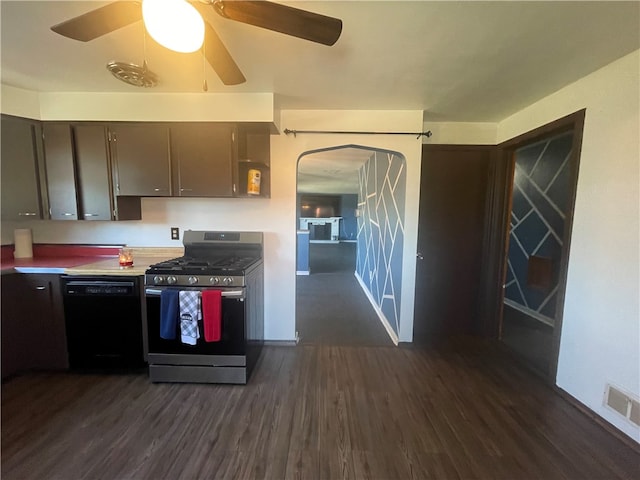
33	329
15	340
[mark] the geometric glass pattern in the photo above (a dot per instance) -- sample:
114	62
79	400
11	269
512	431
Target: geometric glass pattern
538	215
381	199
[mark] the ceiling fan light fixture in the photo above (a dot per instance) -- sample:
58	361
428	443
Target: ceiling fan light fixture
174	24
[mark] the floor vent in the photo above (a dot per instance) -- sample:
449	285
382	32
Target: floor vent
624	403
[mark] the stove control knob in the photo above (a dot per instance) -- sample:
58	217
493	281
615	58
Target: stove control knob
158	279
172	280
214	280
227	281
193	280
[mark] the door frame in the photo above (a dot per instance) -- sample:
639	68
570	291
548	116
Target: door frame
498	214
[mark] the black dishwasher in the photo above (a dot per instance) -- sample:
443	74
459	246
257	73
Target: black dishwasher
103	317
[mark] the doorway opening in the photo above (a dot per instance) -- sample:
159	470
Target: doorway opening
543	166
350	215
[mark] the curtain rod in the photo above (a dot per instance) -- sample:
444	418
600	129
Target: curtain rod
418	134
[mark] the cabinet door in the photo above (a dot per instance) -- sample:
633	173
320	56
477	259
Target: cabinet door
48	344
92	167
202	155
61	178
141	154
33	330
15	338
20	192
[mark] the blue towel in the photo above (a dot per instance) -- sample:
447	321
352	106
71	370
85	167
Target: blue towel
169	308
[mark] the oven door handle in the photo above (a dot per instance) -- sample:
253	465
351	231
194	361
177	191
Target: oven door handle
155	292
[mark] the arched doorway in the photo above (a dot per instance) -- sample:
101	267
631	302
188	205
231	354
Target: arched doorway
350	223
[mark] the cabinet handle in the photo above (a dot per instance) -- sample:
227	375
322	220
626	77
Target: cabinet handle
186	190
91	215
158	189
27	214
69	214
41	287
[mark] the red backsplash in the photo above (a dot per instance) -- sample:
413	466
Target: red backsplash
6	253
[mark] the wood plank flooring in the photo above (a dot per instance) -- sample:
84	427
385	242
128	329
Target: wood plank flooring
460	410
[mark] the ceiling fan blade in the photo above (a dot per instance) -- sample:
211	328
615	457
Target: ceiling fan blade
100	21
281	18
220	59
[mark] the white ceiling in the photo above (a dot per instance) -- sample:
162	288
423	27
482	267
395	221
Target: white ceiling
457	61
331	171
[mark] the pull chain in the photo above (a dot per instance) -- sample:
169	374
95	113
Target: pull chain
205	87
144	48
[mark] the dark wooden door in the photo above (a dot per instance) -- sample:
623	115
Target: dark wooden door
453	190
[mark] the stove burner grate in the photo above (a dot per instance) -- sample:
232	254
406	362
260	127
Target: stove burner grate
204	265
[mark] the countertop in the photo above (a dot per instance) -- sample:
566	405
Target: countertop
111	267
87	264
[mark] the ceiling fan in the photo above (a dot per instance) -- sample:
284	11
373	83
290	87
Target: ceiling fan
261	13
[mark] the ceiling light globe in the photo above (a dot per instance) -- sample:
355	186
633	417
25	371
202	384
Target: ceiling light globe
174	24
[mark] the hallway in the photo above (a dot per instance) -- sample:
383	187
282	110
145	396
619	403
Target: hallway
331	308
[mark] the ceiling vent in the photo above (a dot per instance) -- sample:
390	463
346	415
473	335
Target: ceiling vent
133	74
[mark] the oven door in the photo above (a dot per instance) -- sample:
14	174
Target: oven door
233	338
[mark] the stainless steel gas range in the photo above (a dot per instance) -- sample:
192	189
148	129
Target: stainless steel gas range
205	310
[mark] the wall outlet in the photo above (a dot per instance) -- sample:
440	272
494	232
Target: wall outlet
175	233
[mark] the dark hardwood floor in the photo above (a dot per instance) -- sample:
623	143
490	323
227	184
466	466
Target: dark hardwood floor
462	409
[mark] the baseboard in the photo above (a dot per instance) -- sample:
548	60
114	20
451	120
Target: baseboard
381	316
608	427
279	343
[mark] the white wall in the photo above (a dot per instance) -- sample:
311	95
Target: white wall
461	133
137	107
19	102
601	330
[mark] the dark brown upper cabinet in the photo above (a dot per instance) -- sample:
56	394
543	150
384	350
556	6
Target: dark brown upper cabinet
60	168
92	171
20	189
202	159
78	175
141	161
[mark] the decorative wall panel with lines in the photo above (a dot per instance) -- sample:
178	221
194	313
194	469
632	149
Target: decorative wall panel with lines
382	182
538	214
